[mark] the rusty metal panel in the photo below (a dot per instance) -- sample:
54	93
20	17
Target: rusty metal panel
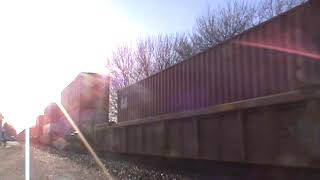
120	140
148	140
190	138
203	76
133	99
169	90
210	138
231	64
232	137
200	77
139	142
134	139
157	94
275	57
129	94
100	140
173	87
182	138
170	82
282	65
206	83
131	139
175	139
148	98
133	102
261	65
260	136
196	81
188	96
161	94
107	140
184	83
274	134
117	140
253	67
245	66
110	140
292	149
151	91
153	139
158	137
122	111
165	91
212	75
128	108
143	97
225	74
218	88
228	71
191	79
123	139
270	135
290	59
178	88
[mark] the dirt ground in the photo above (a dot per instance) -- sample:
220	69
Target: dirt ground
12	162
44	165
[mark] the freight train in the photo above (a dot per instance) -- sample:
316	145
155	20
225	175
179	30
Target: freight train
254	98
86	101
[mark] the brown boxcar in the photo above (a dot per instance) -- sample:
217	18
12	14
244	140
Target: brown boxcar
277	56
52	113
37	130
253	99
281	130
85	99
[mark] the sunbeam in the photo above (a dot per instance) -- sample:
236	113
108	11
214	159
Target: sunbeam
85	142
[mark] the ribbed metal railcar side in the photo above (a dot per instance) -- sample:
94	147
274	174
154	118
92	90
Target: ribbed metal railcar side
277	56
280	130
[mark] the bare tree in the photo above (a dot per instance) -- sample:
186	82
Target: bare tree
123	67
149	55
144	56
113	103
222	23
169	51
270	8
233	18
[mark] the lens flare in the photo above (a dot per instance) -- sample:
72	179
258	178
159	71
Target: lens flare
280	49
85	142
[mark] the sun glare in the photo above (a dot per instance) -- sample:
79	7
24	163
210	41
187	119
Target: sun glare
45	44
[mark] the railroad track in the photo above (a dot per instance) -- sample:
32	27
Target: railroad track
202	169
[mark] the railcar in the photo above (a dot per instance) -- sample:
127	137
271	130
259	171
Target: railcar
251	99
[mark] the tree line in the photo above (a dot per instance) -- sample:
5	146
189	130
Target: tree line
149	55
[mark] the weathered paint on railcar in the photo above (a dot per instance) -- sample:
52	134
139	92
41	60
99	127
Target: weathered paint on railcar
86	100
39	124
52	113
278	56
281	130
